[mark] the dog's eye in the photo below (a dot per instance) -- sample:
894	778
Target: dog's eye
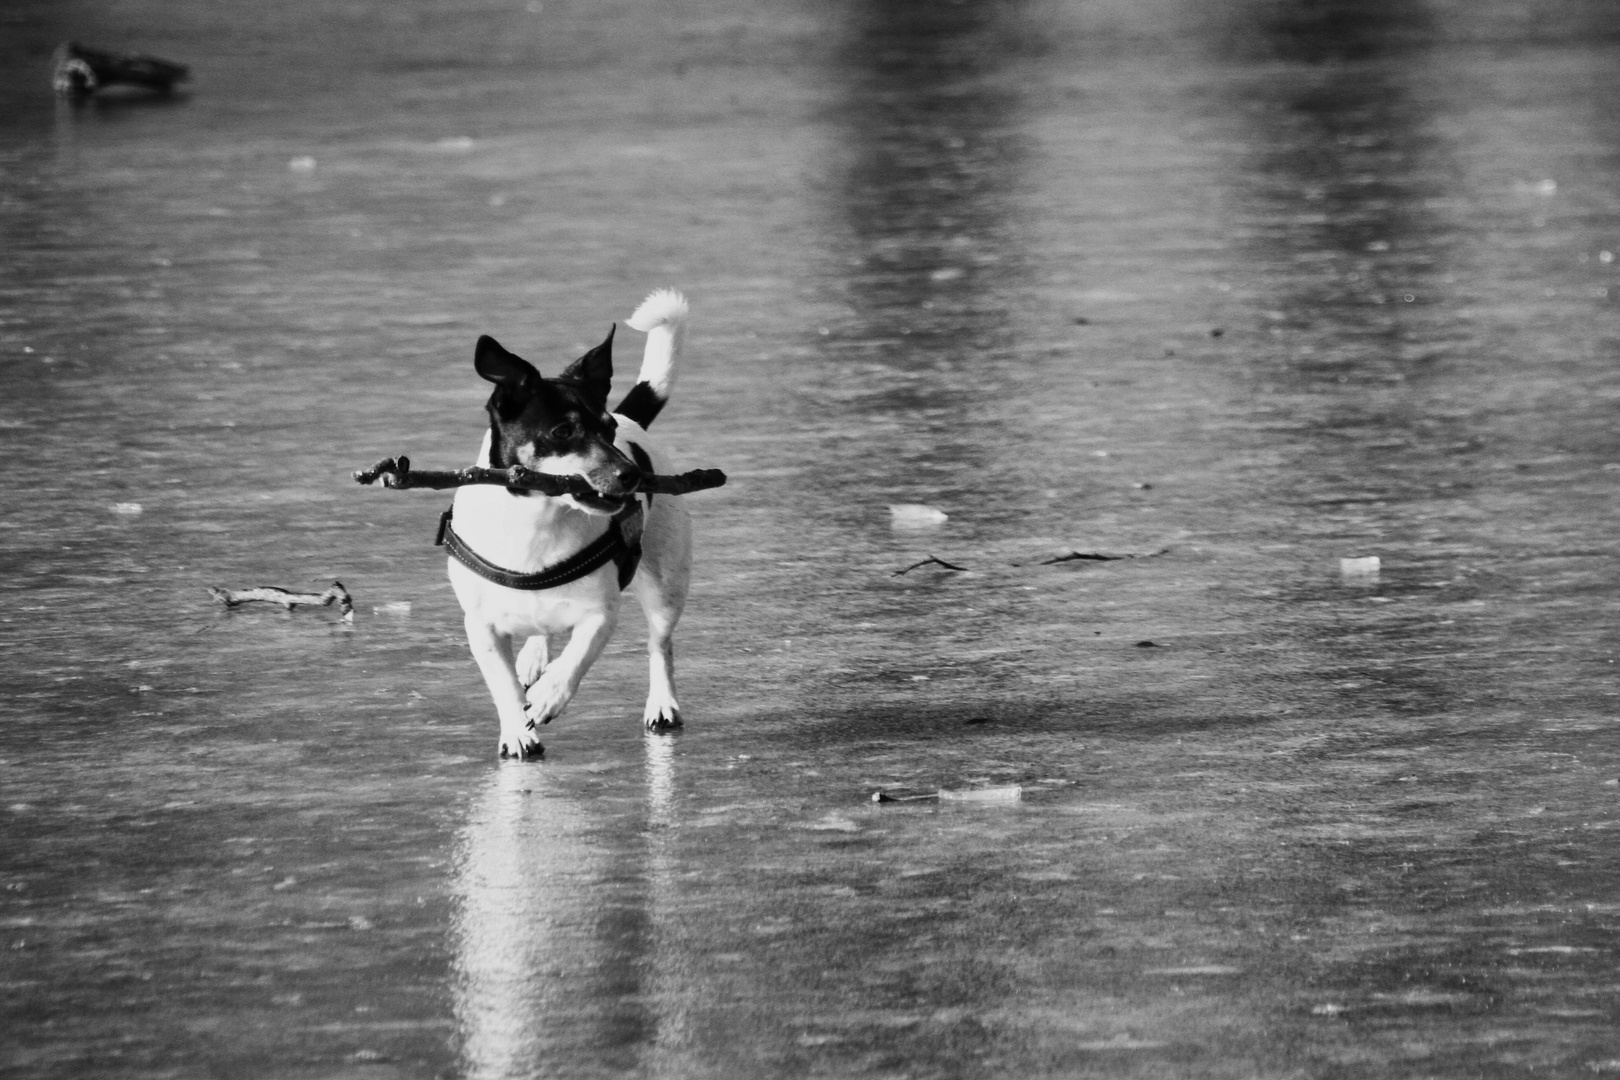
562	432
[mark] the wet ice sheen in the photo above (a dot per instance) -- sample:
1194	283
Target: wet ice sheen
1256	287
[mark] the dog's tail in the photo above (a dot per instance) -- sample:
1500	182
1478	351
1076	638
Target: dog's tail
662	317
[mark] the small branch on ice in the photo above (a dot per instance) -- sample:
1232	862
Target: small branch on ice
290	600
1095	556
925	562
397	473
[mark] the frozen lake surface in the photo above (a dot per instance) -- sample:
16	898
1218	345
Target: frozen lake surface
1242	289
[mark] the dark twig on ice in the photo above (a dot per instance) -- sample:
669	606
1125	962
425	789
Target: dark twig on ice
927	561
80	71
337	594
397	473
1095	556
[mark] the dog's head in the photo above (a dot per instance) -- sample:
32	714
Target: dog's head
560	425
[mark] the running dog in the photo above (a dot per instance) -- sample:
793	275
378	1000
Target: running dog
528	567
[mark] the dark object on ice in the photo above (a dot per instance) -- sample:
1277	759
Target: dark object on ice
1081	320
1217	332
80	71
289	600
1146	645
976	720
925	562
1005	794
1097	556
397	473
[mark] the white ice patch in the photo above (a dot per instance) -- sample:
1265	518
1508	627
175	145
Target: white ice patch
915	516
1361	568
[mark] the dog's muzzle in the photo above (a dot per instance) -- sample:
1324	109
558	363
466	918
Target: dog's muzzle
615	484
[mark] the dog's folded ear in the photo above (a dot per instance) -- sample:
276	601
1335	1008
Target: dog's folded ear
594	371
501	367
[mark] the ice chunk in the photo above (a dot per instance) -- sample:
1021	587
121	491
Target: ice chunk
1361	568
1011	793
915	516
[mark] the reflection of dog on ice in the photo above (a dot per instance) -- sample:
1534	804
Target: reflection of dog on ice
543	967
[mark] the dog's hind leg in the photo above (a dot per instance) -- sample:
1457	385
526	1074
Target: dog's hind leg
661	585
663	609
663	712
532	660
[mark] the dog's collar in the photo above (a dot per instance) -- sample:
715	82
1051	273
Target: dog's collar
620	544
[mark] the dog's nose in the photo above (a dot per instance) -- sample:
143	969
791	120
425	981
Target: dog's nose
626	475
617	478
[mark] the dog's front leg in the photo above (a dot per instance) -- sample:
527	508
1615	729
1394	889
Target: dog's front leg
557	684
493	652
532	660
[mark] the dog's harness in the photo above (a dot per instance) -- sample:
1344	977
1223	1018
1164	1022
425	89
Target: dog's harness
621	544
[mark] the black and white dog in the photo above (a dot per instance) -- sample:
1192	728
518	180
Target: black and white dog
528	567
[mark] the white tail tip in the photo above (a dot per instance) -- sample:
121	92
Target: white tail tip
665	307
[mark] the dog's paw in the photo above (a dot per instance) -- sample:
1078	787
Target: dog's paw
532	660
522	745
537	715
662	717
547	698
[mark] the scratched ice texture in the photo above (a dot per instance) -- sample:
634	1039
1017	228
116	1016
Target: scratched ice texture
1239	288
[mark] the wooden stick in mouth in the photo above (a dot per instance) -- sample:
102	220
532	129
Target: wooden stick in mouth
397	473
